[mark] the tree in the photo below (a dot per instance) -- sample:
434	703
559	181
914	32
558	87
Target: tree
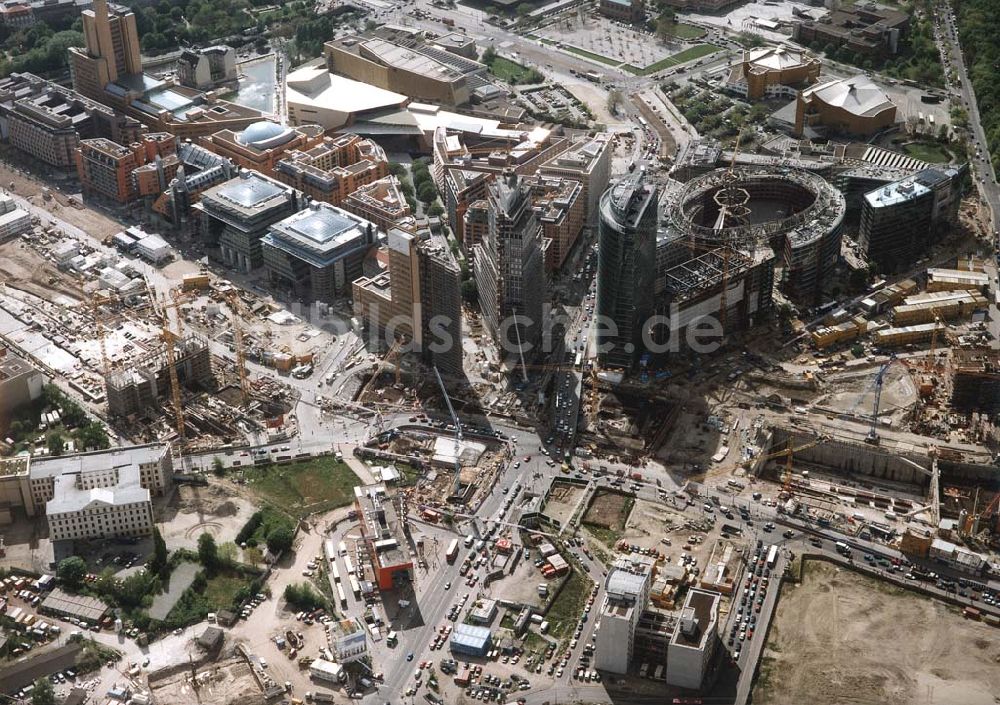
208	552
56	443
426	192
158	561
469	291
218	467
302	596
435	210
228	553
488	56
43	693
524	9
280	540
72	571
252	556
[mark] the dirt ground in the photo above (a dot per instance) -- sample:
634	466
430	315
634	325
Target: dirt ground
23	268
841	637
194	510
562	501
24	184
224	682
607	509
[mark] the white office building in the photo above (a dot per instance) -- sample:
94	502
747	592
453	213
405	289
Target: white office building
627	593
694	641
99	504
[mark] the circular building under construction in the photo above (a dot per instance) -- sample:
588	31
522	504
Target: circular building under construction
797	213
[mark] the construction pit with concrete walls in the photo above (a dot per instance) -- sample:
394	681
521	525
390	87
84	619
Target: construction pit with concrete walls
842	479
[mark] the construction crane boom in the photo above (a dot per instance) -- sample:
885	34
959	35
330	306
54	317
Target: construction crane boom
232	299
872	436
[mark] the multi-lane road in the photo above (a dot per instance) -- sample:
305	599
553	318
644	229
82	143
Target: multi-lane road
953	57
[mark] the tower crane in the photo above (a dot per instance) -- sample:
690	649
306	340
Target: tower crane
233	299
96	301
170	339
873	437
458	426
788	454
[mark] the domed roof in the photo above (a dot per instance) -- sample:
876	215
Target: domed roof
265	134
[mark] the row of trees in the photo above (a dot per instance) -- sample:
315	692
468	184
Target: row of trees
978	26
76	424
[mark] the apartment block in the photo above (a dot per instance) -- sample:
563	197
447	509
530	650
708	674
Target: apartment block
112	171
333	169
30	483
589	162
47	121
380	202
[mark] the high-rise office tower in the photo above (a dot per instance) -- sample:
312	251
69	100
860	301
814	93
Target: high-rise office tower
509	267
626	269
111	51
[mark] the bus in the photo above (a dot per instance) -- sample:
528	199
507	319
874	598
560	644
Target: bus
341	596
349	564
579	360
355	587
772	556
642	121
659	673
335	571
452	552
342	548
843	549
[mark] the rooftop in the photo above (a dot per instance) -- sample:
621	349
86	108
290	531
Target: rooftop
315	87
778	58
697	620
70	497
896	193
249	194
380	524
321	234
857	95
132	456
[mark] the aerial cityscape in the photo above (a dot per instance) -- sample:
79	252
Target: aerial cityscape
607	352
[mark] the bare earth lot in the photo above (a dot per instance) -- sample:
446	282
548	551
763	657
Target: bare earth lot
841	637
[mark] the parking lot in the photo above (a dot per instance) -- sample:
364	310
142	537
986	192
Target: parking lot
616	42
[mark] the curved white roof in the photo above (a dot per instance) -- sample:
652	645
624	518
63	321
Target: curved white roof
777	58
264	135
857	95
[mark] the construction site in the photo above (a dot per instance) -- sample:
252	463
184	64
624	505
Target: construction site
173	353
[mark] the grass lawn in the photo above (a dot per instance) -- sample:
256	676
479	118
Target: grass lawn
221	589
609	537
695	52
565	612
507	70
591	55
686	31
318	484
928	152
220	592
